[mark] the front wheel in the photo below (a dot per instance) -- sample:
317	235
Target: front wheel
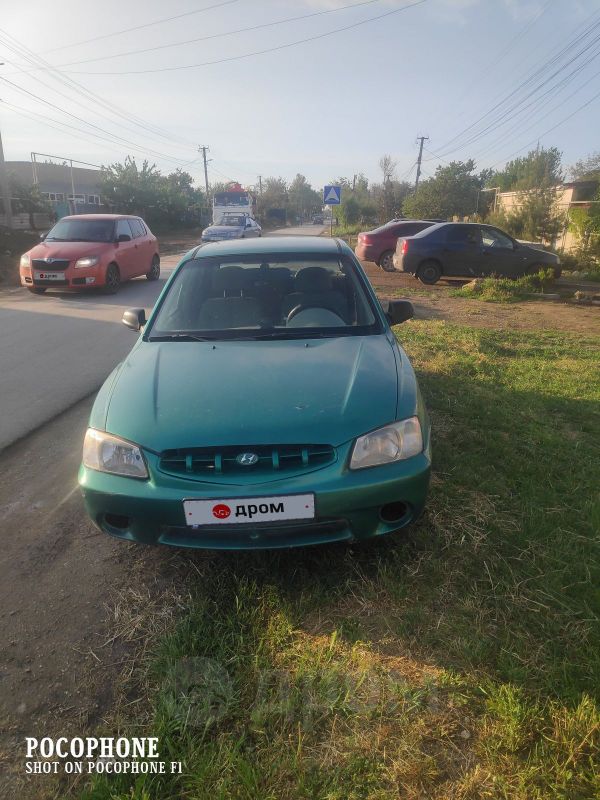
112	280
386	261
36	289
153	273
429	272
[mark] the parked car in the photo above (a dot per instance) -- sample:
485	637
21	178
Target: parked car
318	219
379	244
232	226
91	251
469	249
266	404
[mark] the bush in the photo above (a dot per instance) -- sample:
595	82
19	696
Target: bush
505	290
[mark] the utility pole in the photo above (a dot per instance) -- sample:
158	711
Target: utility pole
5	189
354	183
203	149
419	159
260	184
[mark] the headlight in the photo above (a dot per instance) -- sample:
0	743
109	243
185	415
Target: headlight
89	261
394	442
107	453
25	260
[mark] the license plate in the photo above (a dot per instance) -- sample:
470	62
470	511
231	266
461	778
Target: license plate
235	510
49	276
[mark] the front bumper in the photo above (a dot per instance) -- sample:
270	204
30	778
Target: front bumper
348	506
72	278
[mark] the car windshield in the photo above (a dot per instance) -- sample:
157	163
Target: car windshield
82	230
265	297
234	221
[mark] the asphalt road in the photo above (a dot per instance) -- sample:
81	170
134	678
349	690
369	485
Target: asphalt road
58	348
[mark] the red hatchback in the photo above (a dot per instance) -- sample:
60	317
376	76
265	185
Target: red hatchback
89	251
379	245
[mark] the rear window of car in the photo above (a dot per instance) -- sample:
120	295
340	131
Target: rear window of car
410	228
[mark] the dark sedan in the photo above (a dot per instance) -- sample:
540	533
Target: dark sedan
468	249
378	245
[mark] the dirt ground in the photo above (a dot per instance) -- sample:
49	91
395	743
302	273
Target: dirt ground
60	583
435	302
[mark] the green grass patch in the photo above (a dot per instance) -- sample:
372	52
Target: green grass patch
459	661
505	290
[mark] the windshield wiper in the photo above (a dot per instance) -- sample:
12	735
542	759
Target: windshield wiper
180	337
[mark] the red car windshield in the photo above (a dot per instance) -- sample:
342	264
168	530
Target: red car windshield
82	230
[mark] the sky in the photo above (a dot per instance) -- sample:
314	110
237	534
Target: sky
483	79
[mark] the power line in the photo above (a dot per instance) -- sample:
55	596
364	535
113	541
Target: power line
518	125
140	27
513	41
112	137
532	77
545	133
216	35
73	86
256	52
511	113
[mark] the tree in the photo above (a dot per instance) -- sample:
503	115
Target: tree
539	168
388	168
453	191
303	199
29	199
350	210
129	189
587	168
535	177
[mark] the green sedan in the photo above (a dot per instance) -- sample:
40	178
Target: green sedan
266	404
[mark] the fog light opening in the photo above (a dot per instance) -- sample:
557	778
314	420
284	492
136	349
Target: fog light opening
393	512
117	521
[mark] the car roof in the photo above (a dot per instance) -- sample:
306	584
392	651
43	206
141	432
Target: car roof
272	244
99	216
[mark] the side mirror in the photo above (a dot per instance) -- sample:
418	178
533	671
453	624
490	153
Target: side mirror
123	237
134	318
398	311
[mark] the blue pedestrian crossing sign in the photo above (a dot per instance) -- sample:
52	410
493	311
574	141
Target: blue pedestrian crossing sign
332	195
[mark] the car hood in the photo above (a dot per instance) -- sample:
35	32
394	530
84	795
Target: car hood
538	250
67	250
221	229
192	394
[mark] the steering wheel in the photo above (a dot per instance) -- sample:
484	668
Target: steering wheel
305	307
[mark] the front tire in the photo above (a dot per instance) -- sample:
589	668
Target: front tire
386	261
112	280
36	289
429	272
153	273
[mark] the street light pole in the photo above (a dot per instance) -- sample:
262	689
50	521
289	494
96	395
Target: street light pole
5	189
